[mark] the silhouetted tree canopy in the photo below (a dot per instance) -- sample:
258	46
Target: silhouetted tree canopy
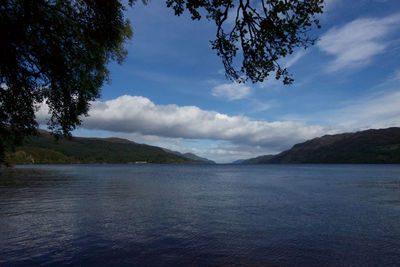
261	32
57	51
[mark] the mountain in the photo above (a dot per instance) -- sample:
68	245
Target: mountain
257	160
370	146
45	149
191	156
197	158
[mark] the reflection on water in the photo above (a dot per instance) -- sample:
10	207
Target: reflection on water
195	215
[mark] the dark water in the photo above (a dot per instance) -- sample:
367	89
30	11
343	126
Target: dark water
279	215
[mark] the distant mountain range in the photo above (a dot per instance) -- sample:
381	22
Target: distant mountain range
45	149
194	157
370	146
239	161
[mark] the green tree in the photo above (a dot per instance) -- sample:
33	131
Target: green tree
57	51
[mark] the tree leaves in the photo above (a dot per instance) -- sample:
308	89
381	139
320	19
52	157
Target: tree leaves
57	51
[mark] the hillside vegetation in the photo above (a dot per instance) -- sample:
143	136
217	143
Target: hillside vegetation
370	146
45	149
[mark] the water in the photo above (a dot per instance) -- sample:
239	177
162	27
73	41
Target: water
169	215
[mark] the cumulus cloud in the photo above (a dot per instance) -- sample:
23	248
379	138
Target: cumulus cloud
231	91
135	114
357	42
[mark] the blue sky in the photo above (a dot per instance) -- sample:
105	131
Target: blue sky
171	90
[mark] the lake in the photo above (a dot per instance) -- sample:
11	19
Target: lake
169	215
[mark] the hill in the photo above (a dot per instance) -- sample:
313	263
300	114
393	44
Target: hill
257	160
191	156
45	149
370	146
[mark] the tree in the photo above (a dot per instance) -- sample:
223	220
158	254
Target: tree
57	51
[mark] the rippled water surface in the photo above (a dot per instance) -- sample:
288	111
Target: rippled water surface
168	215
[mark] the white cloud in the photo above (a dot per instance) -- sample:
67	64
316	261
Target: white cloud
356	43
292	59
396	75
231	91
135	114
256	105
226	152
379	111
379	108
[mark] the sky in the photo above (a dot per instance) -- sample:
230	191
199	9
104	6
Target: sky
171	90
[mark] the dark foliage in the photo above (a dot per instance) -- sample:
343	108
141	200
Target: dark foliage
57	52
263	32
370	146
44	149
257	160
